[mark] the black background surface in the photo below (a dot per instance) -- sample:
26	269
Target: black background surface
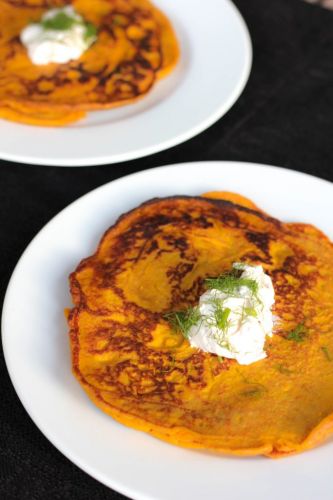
284	118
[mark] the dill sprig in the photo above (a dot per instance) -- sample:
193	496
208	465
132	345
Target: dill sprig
221	317
327	353
283	369
63	22
91	32
230	283
250	311
182	321
60	22
298	334
254	391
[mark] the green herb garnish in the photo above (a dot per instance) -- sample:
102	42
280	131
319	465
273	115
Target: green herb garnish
230	283
60	22
255	391
221	316
182	321
327	353
298	334
63	22
283	369
250	311
91	31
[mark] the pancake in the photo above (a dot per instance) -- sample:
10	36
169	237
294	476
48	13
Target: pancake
137	369
136	46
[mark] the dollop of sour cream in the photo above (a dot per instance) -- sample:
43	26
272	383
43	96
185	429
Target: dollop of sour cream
248	319
48	45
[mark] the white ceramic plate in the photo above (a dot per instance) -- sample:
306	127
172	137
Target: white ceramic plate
37	352
215	64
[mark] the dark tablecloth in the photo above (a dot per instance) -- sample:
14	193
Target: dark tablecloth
284	118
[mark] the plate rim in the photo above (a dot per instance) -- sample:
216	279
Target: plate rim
91	471
166	144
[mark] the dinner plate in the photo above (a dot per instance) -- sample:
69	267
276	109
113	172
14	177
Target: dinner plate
213	69
38	359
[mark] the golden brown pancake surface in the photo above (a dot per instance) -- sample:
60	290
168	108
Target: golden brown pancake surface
136	46
137	369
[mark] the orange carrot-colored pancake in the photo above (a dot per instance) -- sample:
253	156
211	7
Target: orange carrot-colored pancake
138	370
136	46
